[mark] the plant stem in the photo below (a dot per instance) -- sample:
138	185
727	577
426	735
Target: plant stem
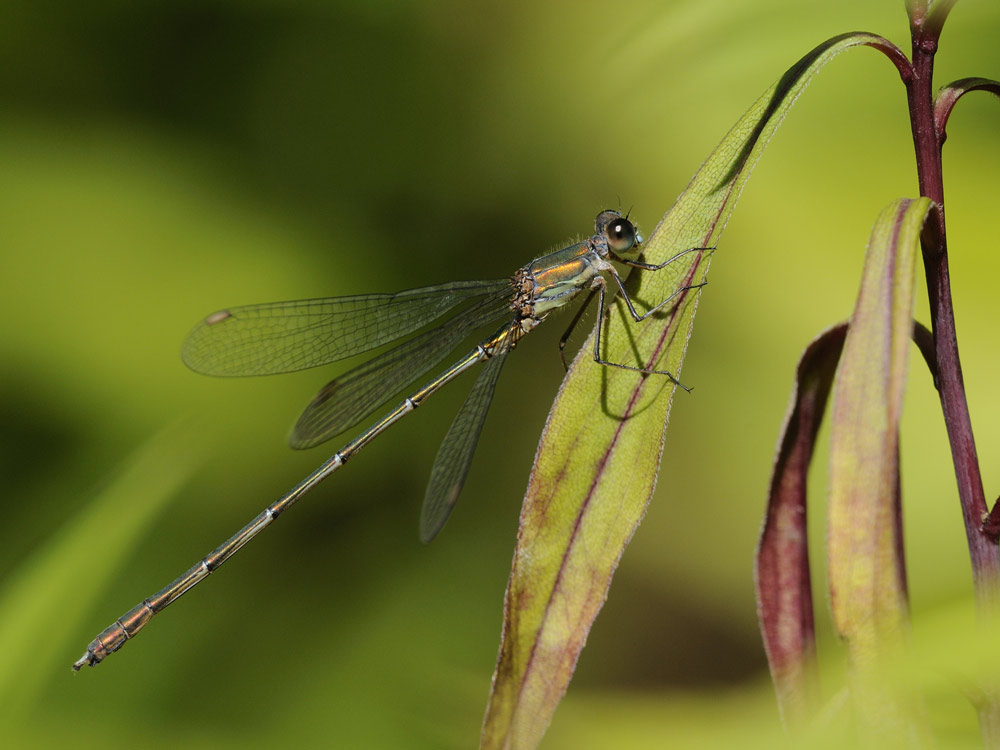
927	143
983	552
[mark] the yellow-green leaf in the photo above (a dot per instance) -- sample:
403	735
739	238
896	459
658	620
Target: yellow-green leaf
866	566
599	454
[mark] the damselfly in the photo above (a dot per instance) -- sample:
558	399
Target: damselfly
289	336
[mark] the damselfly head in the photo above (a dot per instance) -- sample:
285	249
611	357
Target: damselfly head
621	234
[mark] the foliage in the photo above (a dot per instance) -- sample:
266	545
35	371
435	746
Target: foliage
162	160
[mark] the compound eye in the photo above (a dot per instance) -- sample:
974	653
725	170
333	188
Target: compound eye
621	236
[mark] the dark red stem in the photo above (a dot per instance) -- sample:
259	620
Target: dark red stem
927	142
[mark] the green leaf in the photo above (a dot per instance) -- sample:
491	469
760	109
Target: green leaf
50	595
784	590
866	565
599	454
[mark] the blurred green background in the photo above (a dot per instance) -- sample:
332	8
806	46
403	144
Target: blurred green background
161	160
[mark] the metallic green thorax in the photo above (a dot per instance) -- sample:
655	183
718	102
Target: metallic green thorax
558	277
554	280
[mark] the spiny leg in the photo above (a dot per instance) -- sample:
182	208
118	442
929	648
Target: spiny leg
601	285
572	326
651	267
631	308
658	266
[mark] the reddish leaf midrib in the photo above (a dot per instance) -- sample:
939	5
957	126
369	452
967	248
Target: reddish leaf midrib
667	330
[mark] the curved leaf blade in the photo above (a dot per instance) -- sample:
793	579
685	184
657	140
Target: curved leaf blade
784	592
865	546
599	454
946	99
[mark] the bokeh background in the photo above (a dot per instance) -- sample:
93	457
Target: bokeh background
161	160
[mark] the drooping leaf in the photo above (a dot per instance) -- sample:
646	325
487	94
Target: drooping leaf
598	457
866	566
948	96
784	593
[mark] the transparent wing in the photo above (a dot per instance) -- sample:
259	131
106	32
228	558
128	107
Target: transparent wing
455	454
349	398
287	336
